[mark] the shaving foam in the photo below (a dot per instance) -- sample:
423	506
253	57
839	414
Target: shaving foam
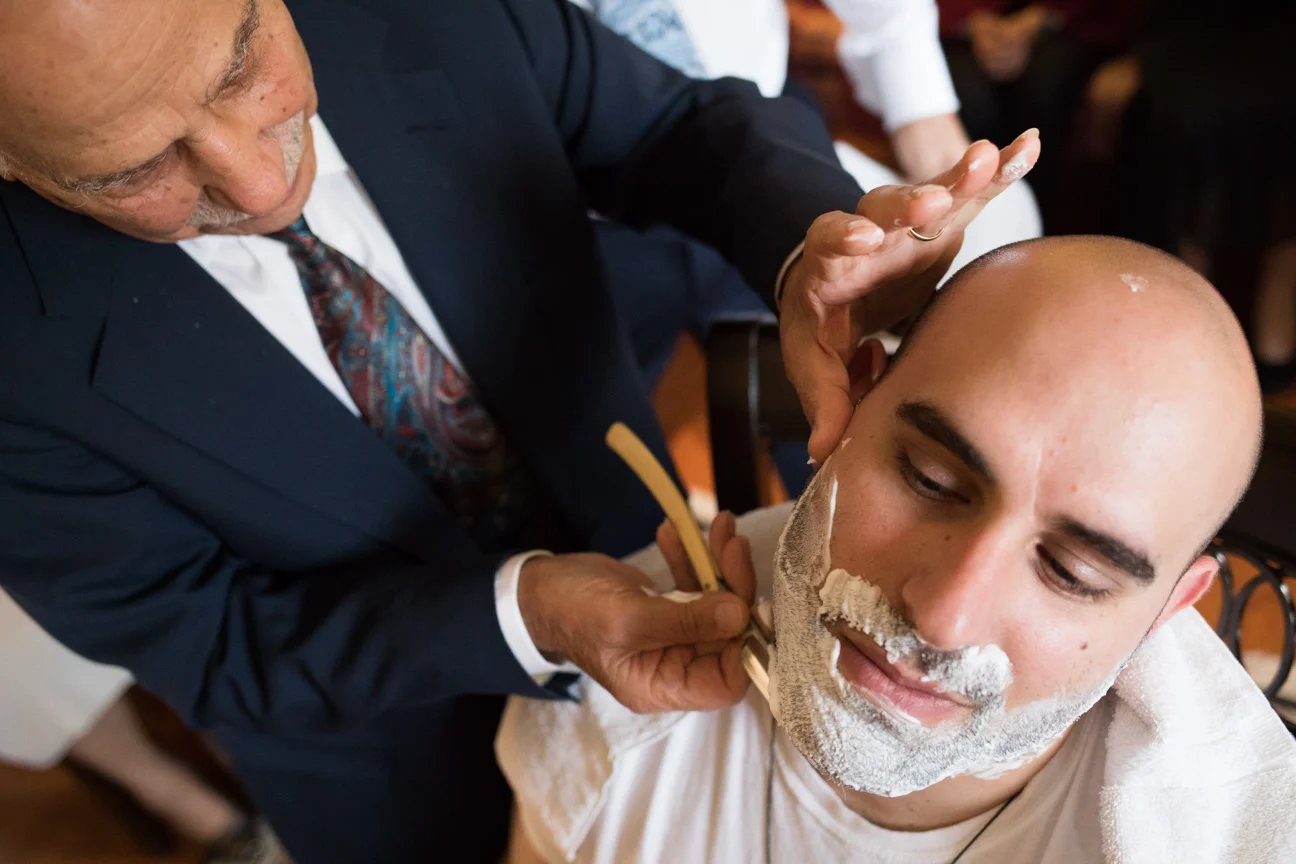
848	738
1135	283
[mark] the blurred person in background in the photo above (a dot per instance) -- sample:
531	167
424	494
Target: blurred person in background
1026	64
891	53
1200	115
57	705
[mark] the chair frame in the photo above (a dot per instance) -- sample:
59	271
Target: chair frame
1272	572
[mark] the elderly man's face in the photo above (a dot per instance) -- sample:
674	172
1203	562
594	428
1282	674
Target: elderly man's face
162	120
1010	513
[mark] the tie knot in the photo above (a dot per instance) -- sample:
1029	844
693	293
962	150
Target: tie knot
297	236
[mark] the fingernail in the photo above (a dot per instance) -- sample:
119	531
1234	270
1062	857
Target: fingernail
811	462
863	229
1015	169
1027	134
729	616
919	191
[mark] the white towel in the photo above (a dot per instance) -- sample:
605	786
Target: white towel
1199	767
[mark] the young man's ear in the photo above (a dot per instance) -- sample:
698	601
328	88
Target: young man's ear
866	367
1195	582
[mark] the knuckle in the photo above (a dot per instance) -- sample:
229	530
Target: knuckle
687	623
614	630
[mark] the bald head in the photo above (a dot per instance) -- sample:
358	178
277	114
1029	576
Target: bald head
1117	334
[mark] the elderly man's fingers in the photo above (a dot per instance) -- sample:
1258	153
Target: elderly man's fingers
966	181
972	173
672	550
1016	161
705	683
723	528
739	569
839	235
658	623
823	386
994	172
897	208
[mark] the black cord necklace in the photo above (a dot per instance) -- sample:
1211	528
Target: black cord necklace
769	807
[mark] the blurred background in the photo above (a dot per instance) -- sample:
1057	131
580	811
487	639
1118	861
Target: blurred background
1171	122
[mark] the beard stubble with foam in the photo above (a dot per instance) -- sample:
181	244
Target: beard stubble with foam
848	738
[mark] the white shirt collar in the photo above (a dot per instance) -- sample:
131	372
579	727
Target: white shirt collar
328	158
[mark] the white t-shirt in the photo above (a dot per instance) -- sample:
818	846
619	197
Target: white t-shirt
700	793
1177	764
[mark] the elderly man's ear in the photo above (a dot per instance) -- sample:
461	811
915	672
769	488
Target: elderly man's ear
865	368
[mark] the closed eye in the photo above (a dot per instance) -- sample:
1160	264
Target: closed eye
923	484
1067	581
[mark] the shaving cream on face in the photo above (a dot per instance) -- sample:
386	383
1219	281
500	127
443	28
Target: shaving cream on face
848	738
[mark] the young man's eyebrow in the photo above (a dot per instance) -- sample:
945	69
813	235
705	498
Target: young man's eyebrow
931	422
239	54
241	51
1131	561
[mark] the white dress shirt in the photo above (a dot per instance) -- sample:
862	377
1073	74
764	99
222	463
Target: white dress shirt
261	276
890	50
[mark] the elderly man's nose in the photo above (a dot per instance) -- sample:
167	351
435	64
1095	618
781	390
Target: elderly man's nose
949	602
249	175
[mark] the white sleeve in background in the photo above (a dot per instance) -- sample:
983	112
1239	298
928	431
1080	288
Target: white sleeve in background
514	628
891	52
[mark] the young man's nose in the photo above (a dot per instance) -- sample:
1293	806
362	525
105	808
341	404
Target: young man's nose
244	170
952	600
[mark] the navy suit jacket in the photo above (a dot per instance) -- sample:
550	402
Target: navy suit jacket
178	495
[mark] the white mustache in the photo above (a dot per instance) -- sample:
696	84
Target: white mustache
290	134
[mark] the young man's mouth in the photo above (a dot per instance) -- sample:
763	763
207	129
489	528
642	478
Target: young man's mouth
897	689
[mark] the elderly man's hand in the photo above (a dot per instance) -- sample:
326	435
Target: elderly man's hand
651	653
864	272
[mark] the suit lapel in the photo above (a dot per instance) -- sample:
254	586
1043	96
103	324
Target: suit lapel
182	355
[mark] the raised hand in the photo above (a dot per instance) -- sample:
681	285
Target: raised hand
863	272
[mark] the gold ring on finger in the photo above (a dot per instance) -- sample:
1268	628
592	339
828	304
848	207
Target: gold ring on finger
927	238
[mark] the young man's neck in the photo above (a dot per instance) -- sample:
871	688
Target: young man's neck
948	802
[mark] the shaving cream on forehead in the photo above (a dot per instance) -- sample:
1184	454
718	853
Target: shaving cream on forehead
846	736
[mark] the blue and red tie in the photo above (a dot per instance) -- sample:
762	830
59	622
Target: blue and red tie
413	397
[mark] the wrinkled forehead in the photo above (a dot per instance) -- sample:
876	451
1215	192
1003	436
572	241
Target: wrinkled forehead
108	74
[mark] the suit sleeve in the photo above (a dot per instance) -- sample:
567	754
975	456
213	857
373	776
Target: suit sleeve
715	159
123	576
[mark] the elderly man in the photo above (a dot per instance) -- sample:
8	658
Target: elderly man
287	408
985	646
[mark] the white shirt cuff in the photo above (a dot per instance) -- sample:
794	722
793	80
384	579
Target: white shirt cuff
897	65
516	635
783	272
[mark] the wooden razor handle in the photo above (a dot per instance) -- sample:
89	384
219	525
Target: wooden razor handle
634	453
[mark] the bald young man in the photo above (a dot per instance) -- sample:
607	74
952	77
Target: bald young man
986	646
